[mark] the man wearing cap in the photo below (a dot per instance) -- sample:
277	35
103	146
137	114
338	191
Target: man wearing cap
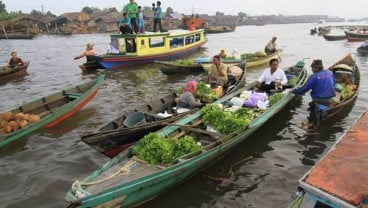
322	84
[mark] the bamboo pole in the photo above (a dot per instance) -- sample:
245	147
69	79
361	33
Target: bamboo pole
6	35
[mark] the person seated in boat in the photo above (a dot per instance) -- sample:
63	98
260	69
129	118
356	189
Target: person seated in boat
113	46
88	52
272	78
124	24
187	98
222	54
322	84
218	72
270	47
15	60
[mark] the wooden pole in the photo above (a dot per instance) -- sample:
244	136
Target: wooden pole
6	35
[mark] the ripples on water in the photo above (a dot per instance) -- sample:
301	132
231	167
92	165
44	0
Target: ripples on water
36	171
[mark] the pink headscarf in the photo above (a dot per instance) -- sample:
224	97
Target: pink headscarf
191	86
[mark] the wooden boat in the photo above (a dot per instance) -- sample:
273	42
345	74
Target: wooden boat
16	36
356	36
363	49
9	71
92	64
347	73
148	47
127	180
114	137
210	29
324	30
192	66
53	108
250	64
344	185
333	37
177	67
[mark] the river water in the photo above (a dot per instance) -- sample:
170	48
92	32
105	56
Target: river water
37	170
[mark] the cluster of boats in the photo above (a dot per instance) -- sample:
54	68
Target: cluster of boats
129	180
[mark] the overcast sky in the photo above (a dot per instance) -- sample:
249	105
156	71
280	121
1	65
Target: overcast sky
340	8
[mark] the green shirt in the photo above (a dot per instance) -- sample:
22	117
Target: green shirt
131	10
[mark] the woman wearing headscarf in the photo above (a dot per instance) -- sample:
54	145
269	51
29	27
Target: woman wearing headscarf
187	99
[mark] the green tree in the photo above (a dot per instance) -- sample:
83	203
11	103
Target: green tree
2	7
90	10
50	14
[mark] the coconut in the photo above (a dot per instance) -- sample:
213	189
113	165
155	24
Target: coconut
7	116
22	123
8	129
14	125
26	116
34	118
3	123
18	116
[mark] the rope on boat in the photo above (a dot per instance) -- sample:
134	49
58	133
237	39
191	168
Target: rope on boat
77	185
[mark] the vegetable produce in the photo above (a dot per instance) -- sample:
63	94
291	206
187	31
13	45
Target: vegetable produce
156	149
226	122
293	81
205	93
275	98
185	62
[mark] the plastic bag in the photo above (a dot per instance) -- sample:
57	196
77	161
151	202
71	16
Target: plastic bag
253	100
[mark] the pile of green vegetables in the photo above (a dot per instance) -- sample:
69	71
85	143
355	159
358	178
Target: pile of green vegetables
227	122
346	92
275	98
293	81
249	56
205	93
155	149
185	62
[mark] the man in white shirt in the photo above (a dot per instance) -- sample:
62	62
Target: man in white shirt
272	78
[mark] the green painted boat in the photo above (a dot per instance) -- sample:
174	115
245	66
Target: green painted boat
251	63
127	180
53	108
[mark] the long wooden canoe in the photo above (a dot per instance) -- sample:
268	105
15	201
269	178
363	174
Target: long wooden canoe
345	70
334	37
53	108
127	180
250	64
9	71
114	136
172	67
339	179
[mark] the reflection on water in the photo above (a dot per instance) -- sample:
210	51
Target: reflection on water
37	170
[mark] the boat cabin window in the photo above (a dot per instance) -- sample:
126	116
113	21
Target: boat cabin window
189	40
121	43
155	42
131	45
176	42
197	37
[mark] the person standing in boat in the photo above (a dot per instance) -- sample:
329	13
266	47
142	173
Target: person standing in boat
132	10
157	17
218	72
322	84
15	60
272	77
140	20
270	48
187	98
87	53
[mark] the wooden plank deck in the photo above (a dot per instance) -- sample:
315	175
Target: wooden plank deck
343	172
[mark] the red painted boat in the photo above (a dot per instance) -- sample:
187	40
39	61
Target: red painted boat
10	71
50	110
340	178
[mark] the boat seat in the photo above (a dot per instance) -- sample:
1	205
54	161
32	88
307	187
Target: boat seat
73	96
